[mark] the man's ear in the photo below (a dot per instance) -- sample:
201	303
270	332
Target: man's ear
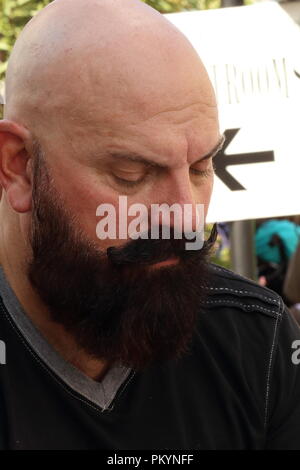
14	165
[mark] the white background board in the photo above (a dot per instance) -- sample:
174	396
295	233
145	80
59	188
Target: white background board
251	54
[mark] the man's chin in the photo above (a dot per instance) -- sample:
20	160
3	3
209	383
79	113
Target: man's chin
152	319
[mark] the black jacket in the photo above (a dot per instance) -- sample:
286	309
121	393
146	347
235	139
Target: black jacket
237	388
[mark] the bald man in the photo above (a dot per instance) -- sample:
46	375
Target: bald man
113	342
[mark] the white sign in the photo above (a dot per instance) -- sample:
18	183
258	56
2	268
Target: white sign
252	55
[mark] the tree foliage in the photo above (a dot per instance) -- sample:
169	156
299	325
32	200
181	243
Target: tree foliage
171	6
14	14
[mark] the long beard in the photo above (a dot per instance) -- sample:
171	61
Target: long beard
115	306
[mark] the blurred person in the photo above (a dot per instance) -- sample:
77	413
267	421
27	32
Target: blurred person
291	286
275	242
135	344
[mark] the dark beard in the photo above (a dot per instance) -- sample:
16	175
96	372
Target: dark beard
115	306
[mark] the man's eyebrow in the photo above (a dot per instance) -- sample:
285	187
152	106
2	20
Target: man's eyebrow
135	157
214	151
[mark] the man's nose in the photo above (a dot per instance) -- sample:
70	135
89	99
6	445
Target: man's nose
182	201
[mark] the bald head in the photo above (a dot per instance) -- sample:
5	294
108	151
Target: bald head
79	56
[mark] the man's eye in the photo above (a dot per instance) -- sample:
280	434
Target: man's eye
202	173
128	183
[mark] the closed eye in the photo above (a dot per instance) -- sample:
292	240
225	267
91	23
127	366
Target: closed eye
129	183
202	173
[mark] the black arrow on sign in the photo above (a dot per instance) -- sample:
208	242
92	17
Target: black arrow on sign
222	160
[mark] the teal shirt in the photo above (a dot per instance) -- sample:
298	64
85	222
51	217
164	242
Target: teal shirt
288	231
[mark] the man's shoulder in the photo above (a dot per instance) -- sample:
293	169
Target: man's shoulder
251	337
228	289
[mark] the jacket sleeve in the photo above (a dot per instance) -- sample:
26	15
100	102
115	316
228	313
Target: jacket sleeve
283	389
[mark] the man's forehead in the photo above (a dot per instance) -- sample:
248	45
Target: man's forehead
118	156
159	120
168	145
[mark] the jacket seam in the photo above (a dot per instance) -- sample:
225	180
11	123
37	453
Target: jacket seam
270	364
240	304
237	277
241	291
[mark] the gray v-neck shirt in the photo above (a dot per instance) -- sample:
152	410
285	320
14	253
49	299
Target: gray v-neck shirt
100	393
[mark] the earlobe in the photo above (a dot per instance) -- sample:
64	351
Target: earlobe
19	198
14	162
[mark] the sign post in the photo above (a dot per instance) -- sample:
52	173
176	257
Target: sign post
243	255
